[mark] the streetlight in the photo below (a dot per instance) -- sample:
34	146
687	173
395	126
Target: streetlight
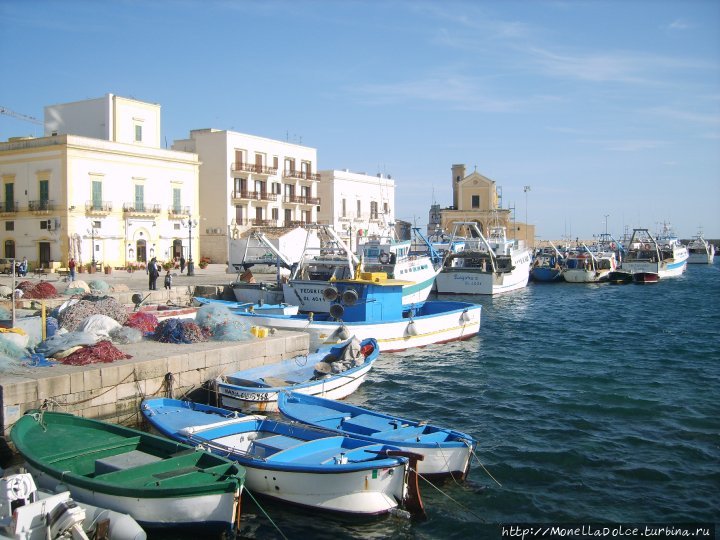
606	216
92	231
526	189
190	223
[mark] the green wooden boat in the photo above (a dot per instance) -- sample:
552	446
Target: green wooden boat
159	482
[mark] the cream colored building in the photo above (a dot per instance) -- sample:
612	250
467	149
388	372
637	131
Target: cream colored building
476	198
357	204
248	181
97	187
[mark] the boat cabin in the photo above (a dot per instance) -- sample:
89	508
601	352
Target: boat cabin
371	297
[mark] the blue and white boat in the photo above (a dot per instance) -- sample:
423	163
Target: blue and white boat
257	307
666	258
547	265
446	452
334	371
371	306
293	463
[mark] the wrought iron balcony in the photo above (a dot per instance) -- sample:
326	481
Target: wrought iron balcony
254	195
178	212
42	206
301	175
263	222
9	207
252	168
98	207
301	199
141	209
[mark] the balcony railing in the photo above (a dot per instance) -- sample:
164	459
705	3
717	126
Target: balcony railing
252	168
141	208
301	199
7	207
263	222
42	206
301	175
98	207
255	195
177	212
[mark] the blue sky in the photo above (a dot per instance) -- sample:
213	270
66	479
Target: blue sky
603	108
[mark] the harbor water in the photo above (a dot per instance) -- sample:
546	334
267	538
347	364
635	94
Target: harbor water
591	403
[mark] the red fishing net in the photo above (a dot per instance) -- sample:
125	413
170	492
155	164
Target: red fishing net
103	351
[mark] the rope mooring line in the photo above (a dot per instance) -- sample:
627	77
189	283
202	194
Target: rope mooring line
246	490
461	505
484	469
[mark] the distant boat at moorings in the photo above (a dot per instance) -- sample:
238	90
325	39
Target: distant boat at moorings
547	265
700	251
160	483
371	306
585	266
488	266
294	463
446	452
645	277
334	371
646	254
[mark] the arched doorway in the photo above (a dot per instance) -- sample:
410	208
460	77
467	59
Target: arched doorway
177	249
141	251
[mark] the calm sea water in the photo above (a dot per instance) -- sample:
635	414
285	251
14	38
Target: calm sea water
592	403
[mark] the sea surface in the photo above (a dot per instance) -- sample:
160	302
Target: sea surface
592	404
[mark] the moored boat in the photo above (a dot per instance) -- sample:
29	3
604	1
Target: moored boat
700	251
446	452
160	483
645	277
293	463
487	266
547	264
334	371
647	254
371	306
585	266
28	513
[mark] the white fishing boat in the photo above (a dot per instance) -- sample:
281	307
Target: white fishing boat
700	251
489	266
371	306
647	254
586	266
29	513
296	464
334	371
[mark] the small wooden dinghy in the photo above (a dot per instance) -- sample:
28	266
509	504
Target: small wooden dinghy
333	371
445	452
296	464
160	483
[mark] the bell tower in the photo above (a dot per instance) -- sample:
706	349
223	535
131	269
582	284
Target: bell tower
458	174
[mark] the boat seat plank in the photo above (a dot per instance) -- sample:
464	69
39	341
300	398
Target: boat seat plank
366	424
126	442
123	461
400	434
317	413
276	443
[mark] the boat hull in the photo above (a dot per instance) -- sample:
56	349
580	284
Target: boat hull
255	293
664	269
302	468
580	275
468	281
545	274
394	335
153	513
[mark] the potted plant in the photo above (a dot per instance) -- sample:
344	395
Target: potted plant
80	269
108	269
90	268
204	261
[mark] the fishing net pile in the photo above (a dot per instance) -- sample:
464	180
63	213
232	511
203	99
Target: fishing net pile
102	351
142	320
12	347
38	291
180	331
99	286
5	291
352	355
72	313
80	348
221	323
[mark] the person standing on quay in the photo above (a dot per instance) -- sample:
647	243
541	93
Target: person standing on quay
71	267
182	263
153	273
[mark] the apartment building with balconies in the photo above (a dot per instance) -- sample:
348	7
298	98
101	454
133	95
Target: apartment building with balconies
97	188
357	205
250	181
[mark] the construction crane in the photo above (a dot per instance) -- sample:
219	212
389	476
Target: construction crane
8	112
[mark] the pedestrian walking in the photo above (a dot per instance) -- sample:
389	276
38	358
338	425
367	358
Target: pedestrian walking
182	264
71	267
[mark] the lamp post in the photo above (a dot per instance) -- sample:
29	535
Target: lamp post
190	223
606	216
91	232
526	189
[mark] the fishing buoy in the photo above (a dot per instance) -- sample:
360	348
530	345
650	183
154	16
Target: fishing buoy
411	330
343	333
465	317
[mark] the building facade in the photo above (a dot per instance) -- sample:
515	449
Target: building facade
477	198
357	205
248	181
109	195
